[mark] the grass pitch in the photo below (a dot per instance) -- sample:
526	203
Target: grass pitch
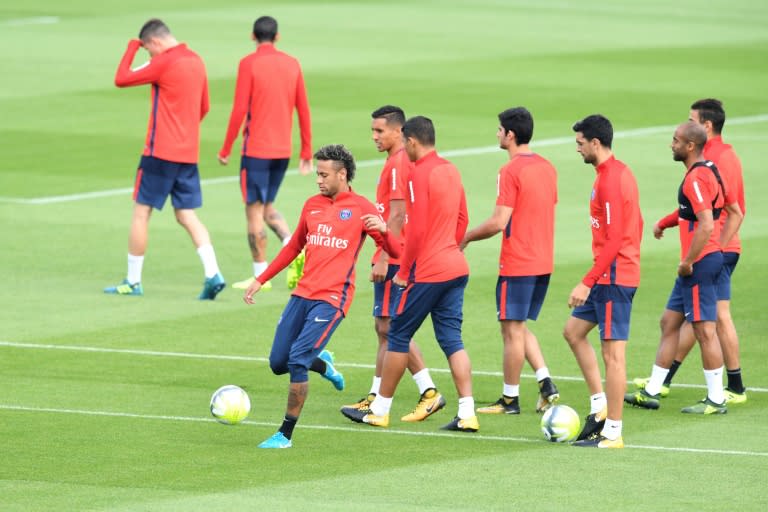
103	400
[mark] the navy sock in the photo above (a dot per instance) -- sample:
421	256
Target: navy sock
734	381
289	422
672	371
318	365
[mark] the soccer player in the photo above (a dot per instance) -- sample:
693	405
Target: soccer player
168	164
331	230
270	86
701	198
433	272
526	195
711	115
386	129
604	296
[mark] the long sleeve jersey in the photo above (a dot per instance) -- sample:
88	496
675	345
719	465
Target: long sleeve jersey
179	100
437	220
392	185
331	233
617	226
270	86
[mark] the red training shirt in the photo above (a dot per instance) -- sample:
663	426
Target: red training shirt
331	234
729	165
392	185
179	100
269	87
528	185
700	187
437	220
617	226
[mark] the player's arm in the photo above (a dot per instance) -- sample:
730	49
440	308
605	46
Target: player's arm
613	203
239	108
394	226
289	252
305	126
205	101
145	74
462	221
731	224
378	229
417	223
492	225
665	222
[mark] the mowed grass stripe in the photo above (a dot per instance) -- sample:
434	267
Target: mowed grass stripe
556	141
468	437
189	355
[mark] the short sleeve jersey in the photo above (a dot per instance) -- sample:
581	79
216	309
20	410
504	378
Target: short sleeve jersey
179	100
528	185
437	220
270	86
701	188
617	226
729	165
392	185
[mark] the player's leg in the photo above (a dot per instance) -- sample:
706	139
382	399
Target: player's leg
186	197
447	314
583	319
548	393
513	335
700	302
254	183
151	188
277	223
735	392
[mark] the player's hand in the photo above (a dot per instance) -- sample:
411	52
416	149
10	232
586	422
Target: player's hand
399	282
463	244
579	295
251	291
379	271
374	223
223	160
658	232
684	269
305	167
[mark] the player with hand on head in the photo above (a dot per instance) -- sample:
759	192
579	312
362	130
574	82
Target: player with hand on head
168	164
526	195
701	199
331	230
386	129
269	87
434	273
711	115
604	296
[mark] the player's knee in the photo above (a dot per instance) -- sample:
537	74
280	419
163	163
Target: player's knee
450	347
398	345
569	335
278	365
298	373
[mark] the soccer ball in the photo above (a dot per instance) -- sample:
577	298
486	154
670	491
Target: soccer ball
230	404
560	424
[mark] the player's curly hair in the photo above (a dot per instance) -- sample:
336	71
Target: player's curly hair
340	156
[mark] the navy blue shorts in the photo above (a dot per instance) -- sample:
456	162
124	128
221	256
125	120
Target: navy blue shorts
386	295
260	178
442	301
610	307
303	331
695	296
520	297
157	178
730	259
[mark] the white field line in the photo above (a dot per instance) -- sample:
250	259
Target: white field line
638	132
361	430
221	357
37	20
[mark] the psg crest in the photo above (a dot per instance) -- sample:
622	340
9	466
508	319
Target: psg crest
345	214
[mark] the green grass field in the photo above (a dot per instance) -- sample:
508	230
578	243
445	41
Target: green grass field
104	400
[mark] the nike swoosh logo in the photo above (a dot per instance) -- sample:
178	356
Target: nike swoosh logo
321	319
314	212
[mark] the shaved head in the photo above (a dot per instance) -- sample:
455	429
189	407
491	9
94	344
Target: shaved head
694	132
